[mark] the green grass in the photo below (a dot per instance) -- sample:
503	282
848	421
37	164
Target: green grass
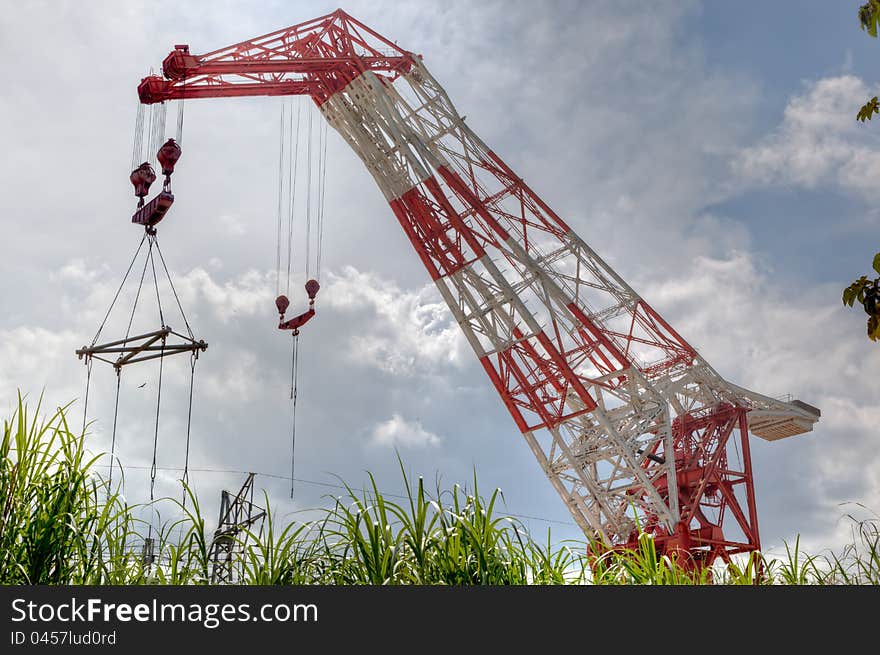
60	524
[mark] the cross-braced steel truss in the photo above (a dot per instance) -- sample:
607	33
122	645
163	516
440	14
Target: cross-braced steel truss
238	515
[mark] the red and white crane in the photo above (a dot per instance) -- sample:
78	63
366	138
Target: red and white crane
633	428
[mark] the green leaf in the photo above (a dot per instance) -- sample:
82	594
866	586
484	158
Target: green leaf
876	263
870	304
869	14
868	110
874	328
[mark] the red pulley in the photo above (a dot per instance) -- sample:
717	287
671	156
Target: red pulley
168	155
312	288
142	177
282	303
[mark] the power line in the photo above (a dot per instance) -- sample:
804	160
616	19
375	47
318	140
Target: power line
287	478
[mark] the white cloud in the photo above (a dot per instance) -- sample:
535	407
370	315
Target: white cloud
397	431
233	225
413	330
78	270
31	357
248	294
818	141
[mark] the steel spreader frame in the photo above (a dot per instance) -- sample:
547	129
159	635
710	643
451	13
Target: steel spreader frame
143	347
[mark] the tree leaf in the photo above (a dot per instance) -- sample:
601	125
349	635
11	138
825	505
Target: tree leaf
874	328
876	263
869	14
868	110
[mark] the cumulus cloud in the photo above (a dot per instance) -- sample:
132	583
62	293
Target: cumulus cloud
25	351
409	330
818	141
397	431
250	293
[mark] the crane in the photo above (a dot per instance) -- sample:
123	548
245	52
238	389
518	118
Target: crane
631	425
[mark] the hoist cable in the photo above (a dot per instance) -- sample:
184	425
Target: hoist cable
322	185
292	155
280	201
150	133
309	198
119	290
173	290
163	111
180	115
113	438
293	195
293	394
138	144
157	129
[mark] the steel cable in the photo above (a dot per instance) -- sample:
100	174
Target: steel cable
119	290
192	375
293	395
156	432
113	439
295	157
309	198
280	201
173	289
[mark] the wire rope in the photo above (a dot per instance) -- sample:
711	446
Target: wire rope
192	374
138	294
309	198
119	290
173	289
180	116
86	401
113	438
295	157
322	185
156	431
291	184
293	397
280	201
137	146
156	285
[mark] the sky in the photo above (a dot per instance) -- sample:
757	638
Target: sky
708	151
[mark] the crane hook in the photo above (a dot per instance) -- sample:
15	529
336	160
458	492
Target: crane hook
282	303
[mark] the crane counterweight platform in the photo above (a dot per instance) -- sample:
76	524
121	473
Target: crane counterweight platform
631	425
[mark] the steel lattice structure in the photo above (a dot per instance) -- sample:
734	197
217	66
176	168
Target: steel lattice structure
630	424
238	515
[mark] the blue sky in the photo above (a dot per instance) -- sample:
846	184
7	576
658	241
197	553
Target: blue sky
709	151
782	47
